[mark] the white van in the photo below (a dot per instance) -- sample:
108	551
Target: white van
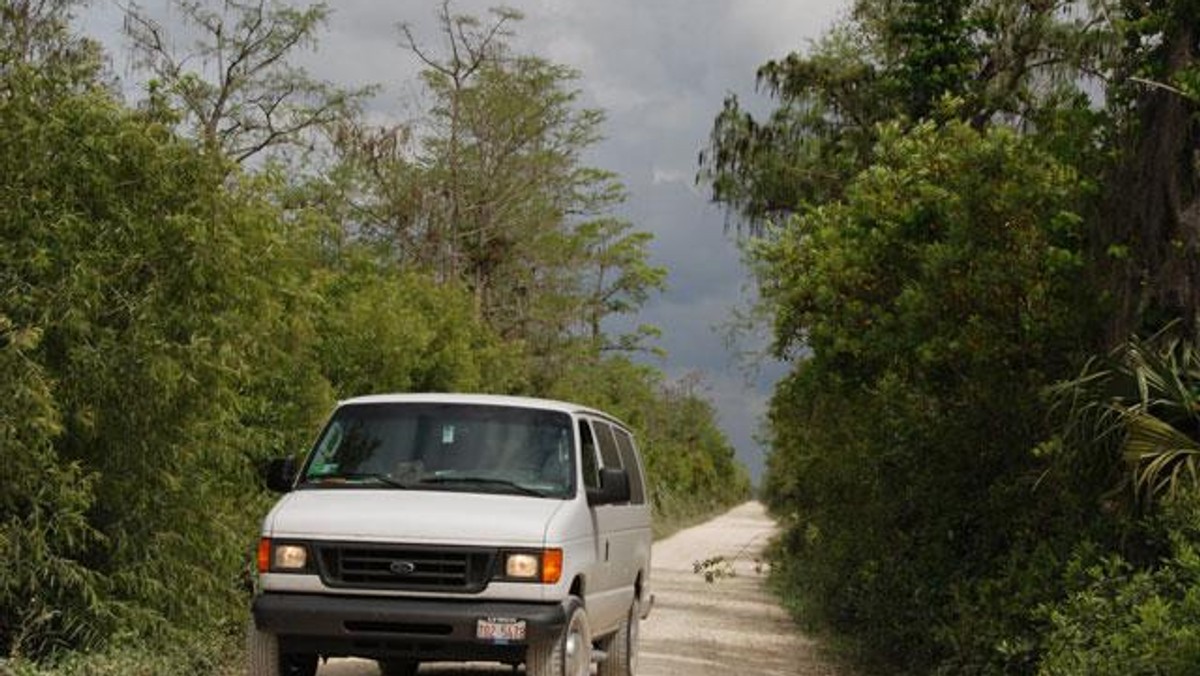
438	527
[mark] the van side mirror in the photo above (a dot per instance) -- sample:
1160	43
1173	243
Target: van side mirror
279	474
614	488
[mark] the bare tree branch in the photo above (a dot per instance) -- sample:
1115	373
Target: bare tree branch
255	101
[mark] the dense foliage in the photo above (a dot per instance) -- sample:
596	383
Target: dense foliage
954	205
172	314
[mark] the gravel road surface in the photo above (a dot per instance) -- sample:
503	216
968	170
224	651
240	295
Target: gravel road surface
730	626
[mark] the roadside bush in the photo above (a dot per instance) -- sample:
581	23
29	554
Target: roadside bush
381	330
937	300
1122	620
143	276
48	598
213	653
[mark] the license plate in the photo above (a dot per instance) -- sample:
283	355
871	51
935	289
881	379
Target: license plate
500	629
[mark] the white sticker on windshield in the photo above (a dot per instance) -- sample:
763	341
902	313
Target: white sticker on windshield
447	434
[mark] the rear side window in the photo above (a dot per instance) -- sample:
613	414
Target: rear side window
608	445
637	488
616	450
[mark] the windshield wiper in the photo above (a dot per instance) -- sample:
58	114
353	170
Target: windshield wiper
385	479
526	490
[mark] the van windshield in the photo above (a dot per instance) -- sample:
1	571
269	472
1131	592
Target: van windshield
445	447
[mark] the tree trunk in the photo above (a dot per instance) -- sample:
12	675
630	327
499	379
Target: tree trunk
1154	206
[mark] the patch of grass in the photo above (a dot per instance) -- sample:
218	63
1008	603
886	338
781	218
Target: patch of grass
210	653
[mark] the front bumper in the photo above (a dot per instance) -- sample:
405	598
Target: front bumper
383	628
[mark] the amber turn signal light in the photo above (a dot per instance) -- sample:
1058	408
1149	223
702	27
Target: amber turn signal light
552	566
264	555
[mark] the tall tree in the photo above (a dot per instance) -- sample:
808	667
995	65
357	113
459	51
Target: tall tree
1012	62
1149	238
617	280
37	34
490	189
50	594
236	87
471	46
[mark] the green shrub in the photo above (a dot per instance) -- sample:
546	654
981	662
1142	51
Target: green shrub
1124	620
935	301
212	653
48	597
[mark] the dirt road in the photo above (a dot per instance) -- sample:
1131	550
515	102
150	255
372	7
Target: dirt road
729	626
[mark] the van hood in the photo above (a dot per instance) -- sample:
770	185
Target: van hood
412	516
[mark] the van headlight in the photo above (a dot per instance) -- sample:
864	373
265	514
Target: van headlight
544	566
291	557
282	557
521	565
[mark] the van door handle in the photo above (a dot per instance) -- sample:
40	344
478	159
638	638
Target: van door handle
606	543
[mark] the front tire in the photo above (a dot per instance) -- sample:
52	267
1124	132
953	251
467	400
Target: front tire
569	653
264	659
622	647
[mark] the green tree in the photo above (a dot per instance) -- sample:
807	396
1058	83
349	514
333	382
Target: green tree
37	34
47	596
926	311
121	252
388	331
489	190
503	147
933	302
1010	62
1149	246
172	314
617	279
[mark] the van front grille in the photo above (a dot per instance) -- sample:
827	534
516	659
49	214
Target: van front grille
405	568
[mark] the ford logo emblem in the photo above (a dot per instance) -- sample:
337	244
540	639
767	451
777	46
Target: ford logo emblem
402	567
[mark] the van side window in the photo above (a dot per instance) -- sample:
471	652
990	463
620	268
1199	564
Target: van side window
587	455
637	490
608	446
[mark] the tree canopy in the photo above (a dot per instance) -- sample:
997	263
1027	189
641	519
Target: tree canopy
954	207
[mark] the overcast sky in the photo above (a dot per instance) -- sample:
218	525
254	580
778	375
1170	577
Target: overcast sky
660	70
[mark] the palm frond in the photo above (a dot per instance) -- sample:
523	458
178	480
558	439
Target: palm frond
1143	399
1162	458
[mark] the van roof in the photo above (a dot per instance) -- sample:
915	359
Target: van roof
482	400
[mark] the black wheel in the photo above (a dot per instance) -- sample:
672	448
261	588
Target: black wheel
622	647
569	653
398	667
264	658
297	664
